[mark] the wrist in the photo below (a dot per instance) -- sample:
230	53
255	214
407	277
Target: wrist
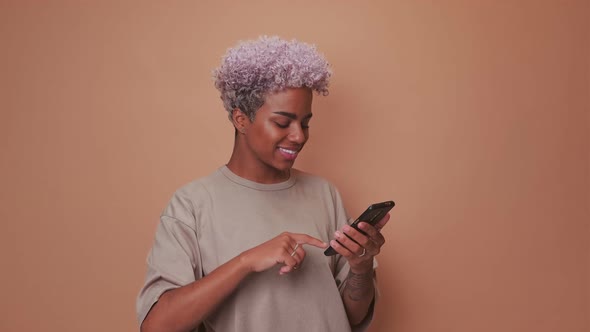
244	263
362	268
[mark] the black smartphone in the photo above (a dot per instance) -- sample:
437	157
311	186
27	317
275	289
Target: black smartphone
372	215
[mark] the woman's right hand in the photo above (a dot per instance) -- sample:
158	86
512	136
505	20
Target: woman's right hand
286	249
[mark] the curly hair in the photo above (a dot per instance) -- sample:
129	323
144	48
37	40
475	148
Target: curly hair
254	68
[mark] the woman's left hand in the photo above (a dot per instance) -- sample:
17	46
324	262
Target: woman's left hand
358	248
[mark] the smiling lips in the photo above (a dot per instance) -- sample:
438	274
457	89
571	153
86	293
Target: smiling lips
289	154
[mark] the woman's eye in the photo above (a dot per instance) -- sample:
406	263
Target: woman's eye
282	125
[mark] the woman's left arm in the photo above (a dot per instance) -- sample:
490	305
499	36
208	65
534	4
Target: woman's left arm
359	250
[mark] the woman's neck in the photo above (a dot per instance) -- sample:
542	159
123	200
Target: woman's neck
253	170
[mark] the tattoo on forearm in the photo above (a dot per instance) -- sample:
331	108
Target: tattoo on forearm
359	286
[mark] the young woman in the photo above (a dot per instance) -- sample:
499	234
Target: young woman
242	249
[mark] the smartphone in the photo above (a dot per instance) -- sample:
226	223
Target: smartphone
372	215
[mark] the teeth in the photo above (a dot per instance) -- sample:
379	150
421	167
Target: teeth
288	151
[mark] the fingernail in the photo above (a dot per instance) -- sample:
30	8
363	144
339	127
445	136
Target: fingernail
338	234
346	228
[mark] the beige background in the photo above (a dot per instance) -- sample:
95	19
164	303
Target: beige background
472	115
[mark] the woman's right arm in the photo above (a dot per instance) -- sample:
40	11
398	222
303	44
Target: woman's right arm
184	308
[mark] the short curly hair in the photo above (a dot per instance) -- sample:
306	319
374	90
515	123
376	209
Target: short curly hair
254	68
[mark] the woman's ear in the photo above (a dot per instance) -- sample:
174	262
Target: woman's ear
240	120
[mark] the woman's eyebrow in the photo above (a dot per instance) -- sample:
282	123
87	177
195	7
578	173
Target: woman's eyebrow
292	115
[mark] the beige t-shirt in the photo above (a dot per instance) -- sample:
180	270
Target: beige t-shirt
211	220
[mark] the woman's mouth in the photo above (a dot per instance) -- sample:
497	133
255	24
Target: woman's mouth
288	153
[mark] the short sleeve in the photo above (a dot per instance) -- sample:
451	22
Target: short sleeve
173	261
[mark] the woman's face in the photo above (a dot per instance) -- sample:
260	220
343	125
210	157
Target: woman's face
279	130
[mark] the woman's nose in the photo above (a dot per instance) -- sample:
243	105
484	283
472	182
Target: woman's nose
297	134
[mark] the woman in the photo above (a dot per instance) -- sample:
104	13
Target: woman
242	249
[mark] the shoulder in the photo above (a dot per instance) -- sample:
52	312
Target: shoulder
315	182
191	199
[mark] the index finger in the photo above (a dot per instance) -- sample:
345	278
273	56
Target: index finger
382	222
306	239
